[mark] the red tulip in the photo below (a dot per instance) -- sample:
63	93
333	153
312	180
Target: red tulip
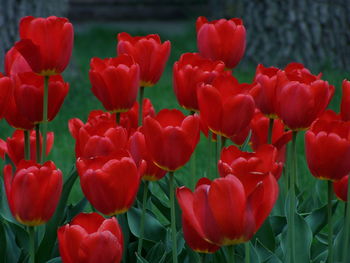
46	43
90	238
29	94
345	102
149	52
341	188
226	106
110	183
33	191
265	92
223	213
99	136
221	39
15	63
14	146
190	71
115	82
301	97
171	138
139	152
327	146
6	90
15	118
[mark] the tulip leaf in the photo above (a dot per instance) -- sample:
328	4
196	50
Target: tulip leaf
154	231
13	252
140	259
49	239
318	218
73	210
55	260
4	207
157	253
3	245
266	235
339	246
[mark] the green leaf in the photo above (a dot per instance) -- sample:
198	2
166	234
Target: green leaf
49	240
73	210
13	252
3	245
4	207
266	235
140	259
55	260
154	231
157	253
318	218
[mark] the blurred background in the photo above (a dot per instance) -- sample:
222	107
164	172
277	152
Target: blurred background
313	32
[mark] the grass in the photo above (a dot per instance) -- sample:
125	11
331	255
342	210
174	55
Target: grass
100	41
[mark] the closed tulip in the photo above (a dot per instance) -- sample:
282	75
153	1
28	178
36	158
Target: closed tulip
29	94
99	136
33	191
171	138
345	102
223	213
301	97
14	145
149	52
110	183
341	188
139	152
223	39
188	72
327	146
90	238
115	82
46	43
14	117
265	92
225	106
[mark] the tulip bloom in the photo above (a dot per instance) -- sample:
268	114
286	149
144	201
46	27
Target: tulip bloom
29	95
115	82
345	102
33	191
341	188
221	39
110	183
99	136
91	238
14	146
223	213
15	63
226	106
327	147
190	71
149	52
171	138
6	90
139	152
301	96
46	43
265	92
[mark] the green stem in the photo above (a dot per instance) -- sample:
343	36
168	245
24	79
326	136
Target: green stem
45	109
292	208
231	254
31	232
117	117
330	222
269	138
193	165
201	257
247	252
37	142
172	211
26	145
210	149
217	156
347	226
223	141
142	223
142	89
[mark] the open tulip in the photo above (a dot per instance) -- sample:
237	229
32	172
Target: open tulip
149	52
341	188
345	102
225	106
14	146
188	72
110	183
46	43
327	146
29	94
223	39
171	138
115	82
99	136
90	238
223	213
301	96
33	191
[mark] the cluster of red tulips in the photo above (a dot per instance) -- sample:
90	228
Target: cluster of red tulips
129	143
